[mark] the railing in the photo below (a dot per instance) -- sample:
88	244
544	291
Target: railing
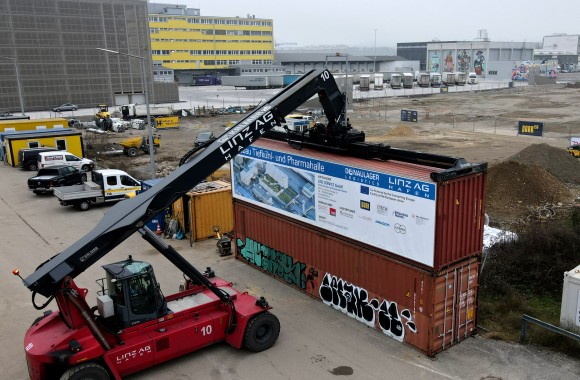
547	326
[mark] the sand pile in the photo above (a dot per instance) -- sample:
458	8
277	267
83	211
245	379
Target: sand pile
555	160
401	130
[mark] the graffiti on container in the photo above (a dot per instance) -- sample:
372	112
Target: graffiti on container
354	301
274	262
312	273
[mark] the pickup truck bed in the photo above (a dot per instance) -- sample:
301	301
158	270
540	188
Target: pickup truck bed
78	192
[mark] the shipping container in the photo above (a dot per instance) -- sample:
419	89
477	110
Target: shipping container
290	78
207	80
163	217
425	215
364	82
210	205
430	310
254	81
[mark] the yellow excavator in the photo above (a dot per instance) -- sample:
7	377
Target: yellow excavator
102	112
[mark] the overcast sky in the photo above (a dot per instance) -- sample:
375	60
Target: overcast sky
325	22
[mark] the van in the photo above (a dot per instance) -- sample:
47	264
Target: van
28	157
47	159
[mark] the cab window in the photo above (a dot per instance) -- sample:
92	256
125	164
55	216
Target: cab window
112	181
128	181
70	157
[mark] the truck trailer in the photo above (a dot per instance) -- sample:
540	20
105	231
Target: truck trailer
407	80
379	80
423	79
132	111
448	79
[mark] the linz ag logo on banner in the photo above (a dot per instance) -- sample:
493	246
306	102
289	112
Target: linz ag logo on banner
530	128
365	205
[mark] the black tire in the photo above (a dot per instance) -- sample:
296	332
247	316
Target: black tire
84	178
32	166
85	168
87	371
262	332
84	205
132	152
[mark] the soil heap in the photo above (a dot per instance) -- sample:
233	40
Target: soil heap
555	160
401	130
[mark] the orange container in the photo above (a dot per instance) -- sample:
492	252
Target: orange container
210	204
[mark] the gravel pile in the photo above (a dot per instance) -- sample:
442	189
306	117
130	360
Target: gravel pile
555	160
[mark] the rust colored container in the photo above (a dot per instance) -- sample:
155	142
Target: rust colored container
430	310
210	204
399	208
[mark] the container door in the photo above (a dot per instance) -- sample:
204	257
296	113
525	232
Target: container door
455	305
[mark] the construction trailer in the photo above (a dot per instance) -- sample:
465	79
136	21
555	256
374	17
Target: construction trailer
61	139
32	125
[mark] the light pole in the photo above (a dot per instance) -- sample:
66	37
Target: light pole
375	60
18	82
149	128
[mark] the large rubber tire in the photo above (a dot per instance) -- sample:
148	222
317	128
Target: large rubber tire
32	166
85	168
84	205
261	332
87	371
84	178
132	152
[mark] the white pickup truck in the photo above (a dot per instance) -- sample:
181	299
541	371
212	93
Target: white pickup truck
107	185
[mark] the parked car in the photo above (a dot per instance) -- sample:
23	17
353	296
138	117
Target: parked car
66	107
62	157
55	176
204	137
28	157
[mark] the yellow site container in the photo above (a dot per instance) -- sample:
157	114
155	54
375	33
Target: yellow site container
167	122
210	204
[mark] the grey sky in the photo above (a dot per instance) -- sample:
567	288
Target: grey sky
325	22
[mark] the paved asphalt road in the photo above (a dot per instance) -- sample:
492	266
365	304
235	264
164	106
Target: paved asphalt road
315	341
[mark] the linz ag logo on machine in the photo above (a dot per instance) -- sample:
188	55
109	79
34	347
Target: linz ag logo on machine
138	352
365	205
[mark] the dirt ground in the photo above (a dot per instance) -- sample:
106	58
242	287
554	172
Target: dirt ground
525	172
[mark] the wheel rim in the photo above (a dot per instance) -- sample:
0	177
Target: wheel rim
263	333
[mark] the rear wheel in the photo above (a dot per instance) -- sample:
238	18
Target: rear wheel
132	152
32	166
84	178
88	371
262	332
84	205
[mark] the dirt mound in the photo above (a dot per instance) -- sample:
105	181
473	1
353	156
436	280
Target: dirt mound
401	130
555	160
513	186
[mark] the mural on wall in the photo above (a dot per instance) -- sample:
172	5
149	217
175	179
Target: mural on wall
354	301
479	63
448	64
275	262
520	71
463	60
434	62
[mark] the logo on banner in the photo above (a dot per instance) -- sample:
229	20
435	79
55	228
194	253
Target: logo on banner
365	190
383	210
382	223
365	205
400	228
530	128
400	215
332	211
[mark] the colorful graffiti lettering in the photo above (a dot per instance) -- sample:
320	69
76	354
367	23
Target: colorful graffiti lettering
274	262
354	302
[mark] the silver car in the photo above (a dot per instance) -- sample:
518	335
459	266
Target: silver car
66	107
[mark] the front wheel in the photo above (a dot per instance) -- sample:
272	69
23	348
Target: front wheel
33	166
132	152
84	178
87	371
262	332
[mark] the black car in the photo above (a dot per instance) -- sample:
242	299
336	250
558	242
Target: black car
204	137
54	176
66	107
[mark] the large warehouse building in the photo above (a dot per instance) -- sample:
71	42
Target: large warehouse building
53	45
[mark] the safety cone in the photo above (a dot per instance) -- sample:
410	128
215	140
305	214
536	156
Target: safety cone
158	230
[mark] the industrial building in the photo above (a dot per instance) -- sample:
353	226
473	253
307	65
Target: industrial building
191	44
561	48
49	52
489	59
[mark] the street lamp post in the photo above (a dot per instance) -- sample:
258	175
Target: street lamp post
149	128
375	60
18	82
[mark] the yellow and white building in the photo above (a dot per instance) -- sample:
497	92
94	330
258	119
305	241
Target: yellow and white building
182	39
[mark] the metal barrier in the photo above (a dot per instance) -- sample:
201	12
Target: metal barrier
547	326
